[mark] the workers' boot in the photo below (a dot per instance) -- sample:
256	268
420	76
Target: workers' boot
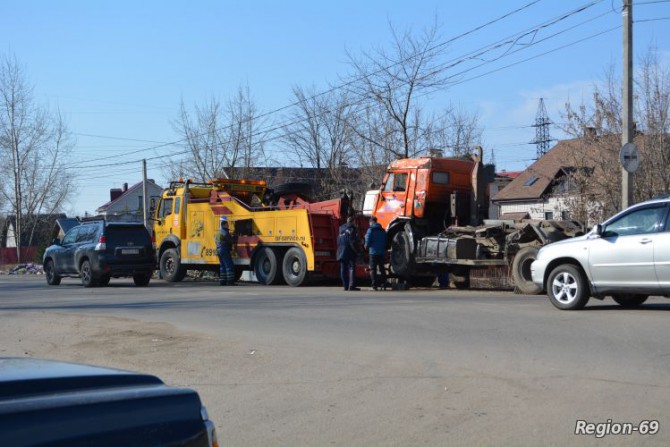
230	279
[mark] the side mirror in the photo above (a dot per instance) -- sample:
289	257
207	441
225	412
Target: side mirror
56	241
599	230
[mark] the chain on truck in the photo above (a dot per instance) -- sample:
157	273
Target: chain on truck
282	235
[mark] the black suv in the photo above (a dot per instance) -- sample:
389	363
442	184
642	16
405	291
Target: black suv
97	250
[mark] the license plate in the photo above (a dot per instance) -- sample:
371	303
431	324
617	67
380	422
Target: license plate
130	251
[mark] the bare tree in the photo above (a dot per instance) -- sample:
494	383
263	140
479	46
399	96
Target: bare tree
593	158
243	135
394	79
653	121
219	138
597	125
34	145
319	135
454	132
373	134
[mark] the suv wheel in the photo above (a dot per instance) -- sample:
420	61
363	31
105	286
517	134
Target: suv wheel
567	289
104	280
86	274
52	277
629	300
142	279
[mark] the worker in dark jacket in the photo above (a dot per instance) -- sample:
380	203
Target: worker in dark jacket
224	245
347	252
375	243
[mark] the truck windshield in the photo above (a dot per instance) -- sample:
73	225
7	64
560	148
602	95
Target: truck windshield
396	182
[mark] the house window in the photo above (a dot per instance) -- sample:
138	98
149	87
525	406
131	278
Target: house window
548	215
530	181
565	215
140	202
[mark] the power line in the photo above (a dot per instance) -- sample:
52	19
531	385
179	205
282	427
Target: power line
652	20
82	165
356	79
118	138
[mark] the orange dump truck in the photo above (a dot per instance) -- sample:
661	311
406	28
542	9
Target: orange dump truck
434	211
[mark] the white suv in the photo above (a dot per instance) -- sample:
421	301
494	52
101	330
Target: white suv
627	258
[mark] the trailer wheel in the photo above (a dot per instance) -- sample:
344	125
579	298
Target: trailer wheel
170	266
294	267
460	277
266	266
401	254
521	271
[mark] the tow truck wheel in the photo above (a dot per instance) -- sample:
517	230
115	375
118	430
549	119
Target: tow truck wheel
295	267
266	267
170	266
521	271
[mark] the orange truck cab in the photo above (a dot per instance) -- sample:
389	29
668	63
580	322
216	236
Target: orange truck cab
422	197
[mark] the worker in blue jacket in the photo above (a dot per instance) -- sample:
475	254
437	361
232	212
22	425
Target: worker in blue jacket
347	252
375	243
224	246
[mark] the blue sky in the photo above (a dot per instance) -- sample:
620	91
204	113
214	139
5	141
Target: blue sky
118	70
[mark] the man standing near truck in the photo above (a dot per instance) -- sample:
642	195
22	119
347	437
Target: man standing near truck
224	245
375	243
347	252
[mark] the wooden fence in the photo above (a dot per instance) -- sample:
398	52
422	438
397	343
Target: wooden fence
9	255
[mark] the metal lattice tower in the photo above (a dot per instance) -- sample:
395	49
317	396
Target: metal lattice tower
542	123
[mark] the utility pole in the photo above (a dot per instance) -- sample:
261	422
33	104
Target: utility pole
144	192
627	100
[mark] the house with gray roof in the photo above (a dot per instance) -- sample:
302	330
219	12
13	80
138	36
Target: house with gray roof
126	203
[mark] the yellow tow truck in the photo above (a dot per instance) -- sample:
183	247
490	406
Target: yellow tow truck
282	236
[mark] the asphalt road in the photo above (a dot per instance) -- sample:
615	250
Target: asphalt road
319	366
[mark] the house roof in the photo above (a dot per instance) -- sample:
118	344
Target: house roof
534	182
508	174
515	216
130	190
